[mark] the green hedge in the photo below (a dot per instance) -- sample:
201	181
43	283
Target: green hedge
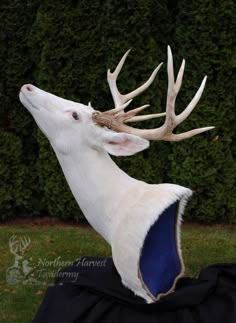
65	47
209	165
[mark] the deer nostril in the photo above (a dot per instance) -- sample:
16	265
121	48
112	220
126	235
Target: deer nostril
29	88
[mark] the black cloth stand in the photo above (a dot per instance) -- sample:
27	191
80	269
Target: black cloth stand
97	295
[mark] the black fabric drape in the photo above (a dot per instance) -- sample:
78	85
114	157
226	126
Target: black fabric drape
97	295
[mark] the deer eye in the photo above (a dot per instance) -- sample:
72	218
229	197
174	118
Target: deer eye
75	115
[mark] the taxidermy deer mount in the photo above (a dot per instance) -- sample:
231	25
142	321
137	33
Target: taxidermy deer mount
140	221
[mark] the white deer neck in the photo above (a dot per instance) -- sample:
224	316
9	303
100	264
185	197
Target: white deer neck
98	185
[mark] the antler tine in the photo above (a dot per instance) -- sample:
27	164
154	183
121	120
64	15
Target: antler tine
12	239
111	79
188	134
25	241
144	86
180	75
146	117
117	110
13	244
182	116
130	114
120	99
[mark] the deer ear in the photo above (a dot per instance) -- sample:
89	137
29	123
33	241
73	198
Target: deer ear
123	144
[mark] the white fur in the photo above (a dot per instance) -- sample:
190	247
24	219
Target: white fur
129	237
119	207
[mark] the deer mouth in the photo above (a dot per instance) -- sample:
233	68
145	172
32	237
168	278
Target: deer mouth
26	101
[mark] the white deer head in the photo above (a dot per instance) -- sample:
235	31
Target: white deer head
125	211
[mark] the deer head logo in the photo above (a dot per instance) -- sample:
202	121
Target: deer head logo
20	268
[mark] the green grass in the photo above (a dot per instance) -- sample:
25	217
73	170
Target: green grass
202	246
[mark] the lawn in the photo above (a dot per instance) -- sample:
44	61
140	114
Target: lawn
52	247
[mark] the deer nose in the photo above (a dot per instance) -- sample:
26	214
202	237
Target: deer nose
28	88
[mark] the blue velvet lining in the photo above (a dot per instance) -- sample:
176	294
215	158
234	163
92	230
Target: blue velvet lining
159	262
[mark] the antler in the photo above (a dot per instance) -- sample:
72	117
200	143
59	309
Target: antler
123	100
25	241
20	245
113	119
14	244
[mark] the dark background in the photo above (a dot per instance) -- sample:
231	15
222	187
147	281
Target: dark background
66	47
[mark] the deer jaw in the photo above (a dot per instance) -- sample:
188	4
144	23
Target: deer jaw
96	182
